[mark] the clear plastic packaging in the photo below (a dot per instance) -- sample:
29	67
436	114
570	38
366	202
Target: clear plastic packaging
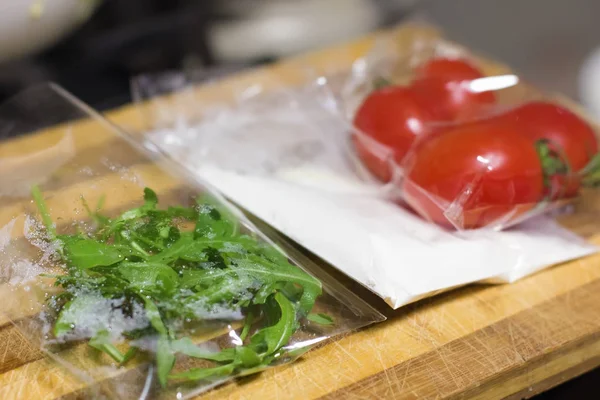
464	145
265	130
136	276
278	142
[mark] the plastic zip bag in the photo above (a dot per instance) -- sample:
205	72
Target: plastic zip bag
138	278
326	200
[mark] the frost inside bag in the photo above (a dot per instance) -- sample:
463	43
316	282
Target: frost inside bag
464	147
324	198
141	282
265	129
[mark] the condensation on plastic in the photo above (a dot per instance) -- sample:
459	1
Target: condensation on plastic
257	128
86	156
397	65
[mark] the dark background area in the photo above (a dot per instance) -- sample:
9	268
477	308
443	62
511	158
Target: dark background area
547	41
126	38
122	39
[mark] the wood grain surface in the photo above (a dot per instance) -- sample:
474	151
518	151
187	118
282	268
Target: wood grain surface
482	342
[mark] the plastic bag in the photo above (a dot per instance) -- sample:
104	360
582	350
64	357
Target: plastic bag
265	129
140	281
464	146
324	199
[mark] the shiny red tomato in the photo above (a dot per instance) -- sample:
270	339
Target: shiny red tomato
443	86
568	135
449	69
473	176
388	120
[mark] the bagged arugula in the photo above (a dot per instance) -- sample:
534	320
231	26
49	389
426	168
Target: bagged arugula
161	279
140	298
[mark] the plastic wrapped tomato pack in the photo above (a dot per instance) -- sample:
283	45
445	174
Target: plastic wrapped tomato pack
464	146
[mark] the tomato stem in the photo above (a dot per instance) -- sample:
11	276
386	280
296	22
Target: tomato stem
380	82
590	174
552	161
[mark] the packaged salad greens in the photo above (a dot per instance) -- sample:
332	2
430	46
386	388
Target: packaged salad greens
283	144
135	276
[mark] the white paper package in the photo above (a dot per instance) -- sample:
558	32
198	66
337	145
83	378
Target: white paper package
394	253
282	157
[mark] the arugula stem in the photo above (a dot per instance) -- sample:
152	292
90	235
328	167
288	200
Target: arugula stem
139	248
112	351
247	325
129	355
100	203
148	242
38	198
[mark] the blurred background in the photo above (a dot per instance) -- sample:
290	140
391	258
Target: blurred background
92	47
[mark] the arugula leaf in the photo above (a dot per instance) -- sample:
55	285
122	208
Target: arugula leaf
149	275
198	374
187	347
229	222
246	357
165	359
100	219
297	352
129	355
175	251
73	312
266	291
269	340
150	198
213	221
38	198
267	272
247	325
220	286
308	299
321	319
179	267
154	317
150	203
208	221
88	253
180	212
101	342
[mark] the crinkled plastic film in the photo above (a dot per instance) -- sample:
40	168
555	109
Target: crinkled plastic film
287	155
135	276
258	127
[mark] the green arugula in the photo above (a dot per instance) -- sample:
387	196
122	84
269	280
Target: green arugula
101	341
321	319
180	278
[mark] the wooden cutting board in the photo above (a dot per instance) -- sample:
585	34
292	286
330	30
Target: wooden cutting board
483	342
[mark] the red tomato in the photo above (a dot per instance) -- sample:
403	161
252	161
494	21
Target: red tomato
392	118
568	135
450	69
443	86
474	175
